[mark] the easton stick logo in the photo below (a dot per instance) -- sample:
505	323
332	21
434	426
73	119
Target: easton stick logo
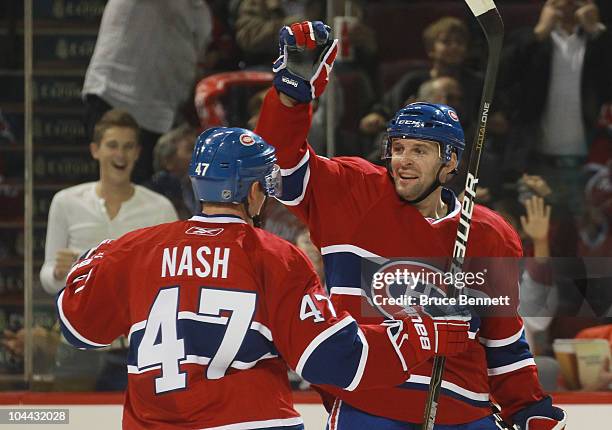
483	125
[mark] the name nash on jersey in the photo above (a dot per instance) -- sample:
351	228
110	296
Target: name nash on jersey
188	261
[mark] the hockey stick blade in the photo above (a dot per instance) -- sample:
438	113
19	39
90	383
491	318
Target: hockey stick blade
492	25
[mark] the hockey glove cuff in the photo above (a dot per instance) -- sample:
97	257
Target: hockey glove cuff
540	416
307	55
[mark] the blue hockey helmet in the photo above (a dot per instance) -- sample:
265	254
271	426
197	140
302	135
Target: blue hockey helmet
226	161
427	121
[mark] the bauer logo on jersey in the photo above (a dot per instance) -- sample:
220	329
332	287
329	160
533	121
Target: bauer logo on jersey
203	231
246	139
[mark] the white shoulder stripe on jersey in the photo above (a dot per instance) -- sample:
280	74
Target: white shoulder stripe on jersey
497	343
280	422
71	329
331	249
347	291
265	331
210	319
511	367
299	198
479	397
350	291
292	170
140	325
321	337
257	326
218	219
362	361
236	364
204	361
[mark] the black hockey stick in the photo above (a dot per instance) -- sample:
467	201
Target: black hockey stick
489	19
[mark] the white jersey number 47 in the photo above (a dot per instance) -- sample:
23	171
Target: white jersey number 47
160	344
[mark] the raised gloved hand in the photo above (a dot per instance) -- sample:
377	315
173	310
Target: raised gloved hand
540	416
307	55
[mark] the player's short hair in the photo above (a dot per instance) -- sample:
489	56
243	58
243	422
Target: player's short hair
445	25
115	118
166	145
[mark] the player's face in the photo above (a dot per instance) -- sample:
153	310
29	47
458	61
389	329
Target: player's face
414	165
117	153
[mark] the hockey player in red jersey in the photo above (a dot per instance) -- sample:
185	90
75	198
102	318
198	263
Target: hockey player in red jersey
357	211
215	309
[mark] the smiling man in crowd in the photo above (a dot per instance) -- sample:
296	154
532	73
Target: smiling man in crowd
82	216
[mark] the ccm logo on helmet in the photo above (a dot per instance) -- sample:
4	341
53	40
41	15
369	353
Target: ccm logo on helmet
410	122
453	115
246	140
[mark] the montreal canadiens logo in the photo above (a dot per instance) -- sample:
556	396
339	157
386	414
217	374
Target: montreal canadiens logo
398	285
246	140
453	115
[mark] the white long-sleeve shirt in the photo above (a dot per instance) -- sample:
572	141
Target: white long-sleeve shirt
146	57
78	221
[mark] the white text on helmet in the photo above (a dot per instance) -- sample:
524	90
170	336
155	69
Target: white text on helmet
410	122
201	168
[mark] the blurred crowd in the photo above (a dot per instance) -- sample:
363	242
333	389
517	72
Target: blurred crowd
547	164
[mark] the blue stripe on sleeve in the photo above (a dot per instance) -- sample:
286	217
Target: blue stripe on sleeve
505	355
293	184
335	361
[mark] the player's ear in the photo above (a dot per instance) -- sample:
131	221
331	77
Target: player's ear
253	191
449	168
256	198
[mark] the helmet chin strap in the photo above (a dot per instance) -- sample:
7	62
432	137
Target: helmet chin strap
434	185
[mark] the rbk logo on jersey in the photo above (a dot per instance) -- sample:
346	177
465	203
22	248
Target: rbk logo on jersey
203	231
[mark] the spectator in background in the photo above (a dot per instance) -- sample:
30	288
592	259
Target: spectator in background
600	152
146	62
254	107
81	217
556	76
445	90
446	43
596	221
530	216
257	23
305	244
171	158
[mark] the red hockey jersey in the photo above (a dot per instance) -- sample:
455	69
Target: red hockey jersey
214	309
354	214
